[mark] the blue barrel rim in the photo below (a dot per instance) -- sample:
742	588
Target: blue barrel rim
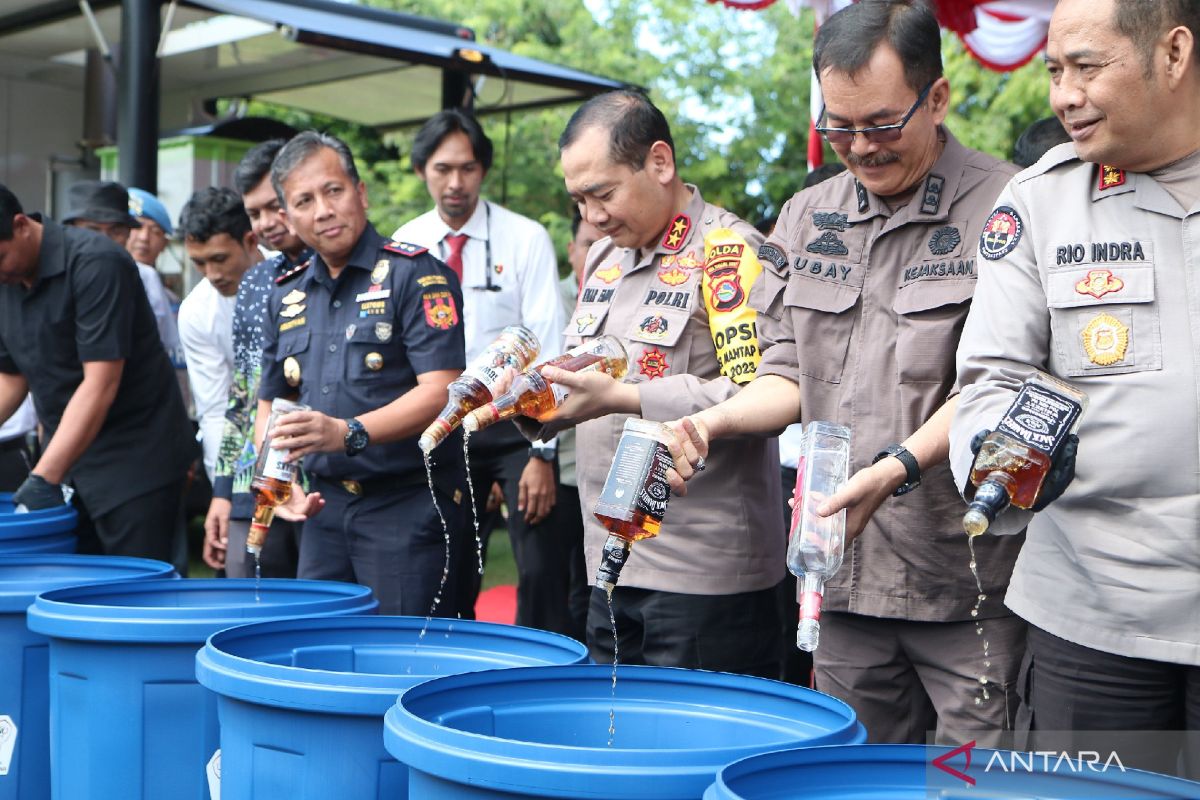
522	766
16	595
330	691
66	614
35	524
849	755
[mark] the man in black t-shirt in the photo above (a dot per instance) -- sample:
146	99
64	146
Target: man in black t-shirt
77	332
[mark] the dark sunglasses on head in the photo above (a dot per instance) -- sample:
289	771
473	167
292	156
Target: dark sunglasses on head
879	134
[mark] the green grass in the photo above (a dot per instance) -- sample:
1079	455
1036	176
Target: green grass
500	567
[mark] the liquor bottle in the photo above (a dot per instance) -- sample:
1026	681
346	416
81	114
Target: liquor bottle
816	544
489	374
634	499
534	396
1013	460
273	479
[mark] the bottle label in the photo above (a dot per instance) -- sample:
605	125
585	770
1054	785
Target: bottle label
1041	418
637	480
810	605
275	467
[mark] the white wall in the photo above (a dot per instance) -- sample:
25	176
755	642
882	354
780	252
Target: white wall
37	121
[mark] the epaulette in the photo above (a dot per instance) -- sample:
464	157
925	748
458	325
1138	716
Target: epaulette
405	249
1055	156
291	273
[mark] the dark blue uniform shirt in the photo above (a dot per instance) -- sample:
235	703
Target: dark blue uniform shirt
357	343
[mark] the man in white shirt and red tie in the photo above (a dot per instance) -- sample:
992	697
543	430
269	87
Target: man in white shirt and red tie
509	276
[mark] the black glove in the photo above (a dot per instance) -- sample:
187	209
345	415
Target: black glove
1062	472
1062	469
37	493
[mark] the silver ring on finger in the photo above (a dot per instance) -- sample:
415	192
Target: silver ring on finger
700	465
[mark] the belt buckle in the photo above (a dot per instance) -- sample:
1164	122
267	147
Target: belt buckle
353	487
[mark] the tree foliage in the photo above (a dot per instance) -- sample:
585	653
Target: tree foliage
734	84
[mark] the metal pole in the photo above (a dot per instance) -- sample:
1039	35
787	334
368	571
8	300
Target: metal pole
456	91
138	96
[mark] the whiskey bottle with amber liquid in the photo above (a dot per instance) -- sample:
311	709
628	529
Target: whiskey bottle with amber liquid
489	374
1014	459
531	395
271	485
634	499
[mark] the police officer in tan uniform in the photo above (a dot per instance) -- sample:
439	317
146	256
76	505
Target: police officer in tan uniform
1089	272
671	279
869	276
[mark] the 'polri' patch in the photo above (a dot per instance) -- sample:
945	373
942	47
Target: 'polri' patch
1001	233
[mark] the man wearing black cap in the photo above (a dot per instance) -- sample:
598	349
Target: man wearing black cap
76	331
101	206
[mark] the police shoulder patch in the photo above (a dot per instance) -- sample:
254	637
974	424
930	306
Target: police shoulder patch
292	273
405	249
1000	233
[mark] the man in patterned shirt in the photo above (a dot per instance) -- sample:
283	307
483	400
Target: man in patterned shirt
232	506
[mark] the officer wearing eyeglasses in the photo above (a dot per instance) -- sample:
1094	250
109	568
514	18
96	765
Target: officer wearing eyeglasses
868	277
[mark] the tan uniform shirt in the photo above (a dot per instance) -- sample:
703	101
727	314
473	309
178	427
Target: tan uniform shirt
726	535
1098	283
870	304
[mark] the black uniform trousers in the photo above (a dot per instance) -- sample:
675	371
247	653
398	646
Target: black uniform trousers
388	536
1080	699
567	523
150	525
542	552
279	556
723	632
15	461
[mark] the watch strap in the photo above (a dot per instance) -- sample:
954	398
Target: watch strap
912	470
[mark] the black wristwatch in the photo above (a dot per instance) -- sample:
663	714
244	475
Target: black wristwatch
912	470
356	437
543	453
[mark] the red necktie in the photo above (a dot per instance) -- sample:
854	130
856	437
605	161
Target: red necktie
456	241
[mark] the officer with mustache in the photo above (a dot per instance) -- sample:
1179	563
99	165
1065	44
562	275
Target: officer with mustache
868	278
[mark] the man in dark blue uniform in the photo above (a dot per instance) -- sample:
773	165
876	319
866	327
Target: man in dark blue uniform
368	333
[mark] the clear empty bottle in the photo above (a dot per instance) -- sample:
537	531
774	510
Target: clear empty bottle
815	543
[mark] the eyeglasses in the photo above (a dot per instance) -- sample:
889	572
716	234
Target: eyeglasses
879	134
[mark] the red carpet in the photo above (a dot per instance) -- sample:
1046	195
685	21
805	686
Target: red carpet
498	604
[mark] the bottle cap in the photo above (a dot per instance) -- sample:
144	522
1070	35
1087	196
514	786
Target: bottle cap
990	499
434	435
612	559
481	418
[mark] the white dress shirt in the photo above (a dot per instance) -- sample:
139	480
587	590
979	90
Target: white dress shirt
21	422
522	272
206	331
160	304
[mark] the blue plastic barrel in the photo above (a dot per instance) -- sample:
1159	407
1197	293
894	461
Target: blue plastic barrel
908	772
24	691
51	530
301	702
128	719
544	731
